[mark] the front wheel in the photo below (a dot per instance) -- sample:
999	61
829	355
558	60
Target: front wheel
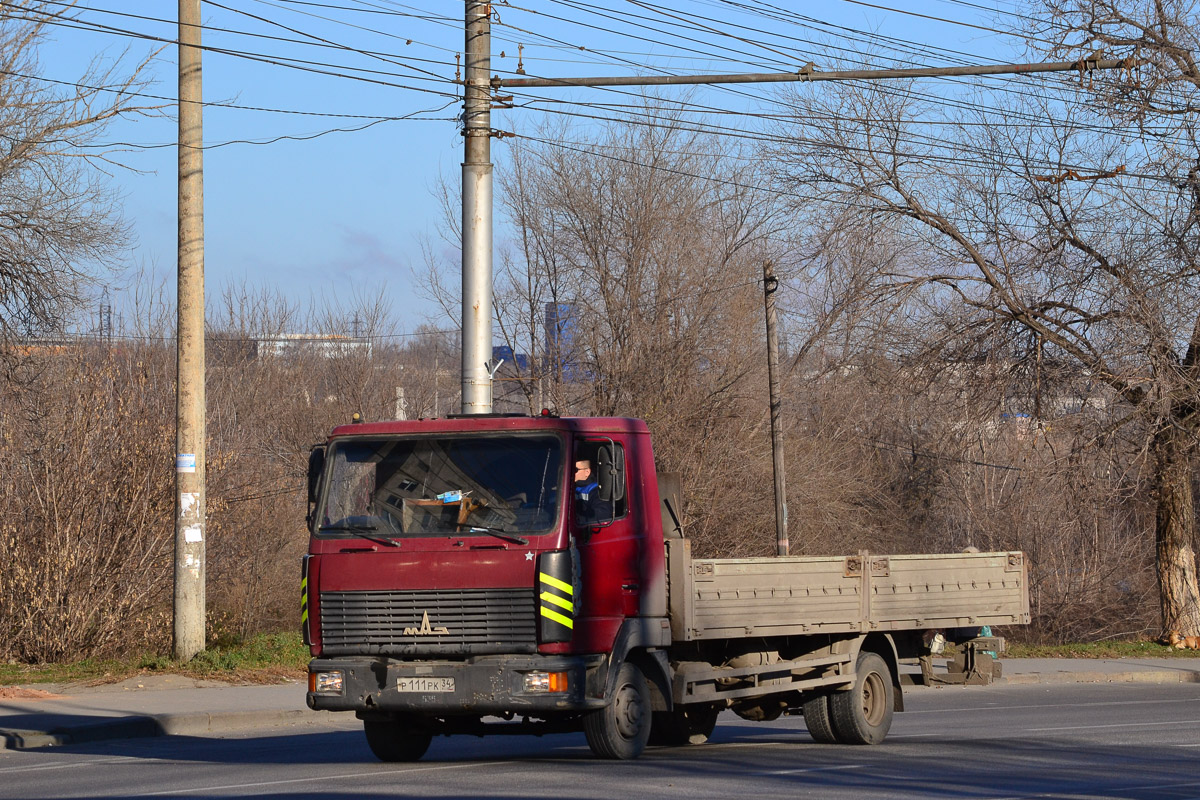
863	715
394	740
620	729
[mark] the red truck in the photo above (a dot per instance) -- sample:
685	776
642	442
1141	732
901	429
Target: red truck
460	580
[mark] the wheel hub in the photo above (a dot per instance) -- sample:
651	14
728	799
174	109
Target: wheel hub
629	711
873	696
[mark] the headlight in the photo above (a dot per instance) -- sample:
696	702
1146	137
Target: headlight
331	682
545	682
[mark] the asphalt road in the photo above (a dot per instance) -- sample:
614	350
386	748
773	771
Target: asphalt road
1063	741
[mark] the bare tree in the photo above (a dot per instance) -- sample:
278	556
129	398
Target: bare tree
1158	97
1076	241
634	285
59	219
430	358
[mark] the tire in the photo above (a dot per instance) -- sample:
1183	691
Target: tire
393	740
685	725
620	729
819	719
863	715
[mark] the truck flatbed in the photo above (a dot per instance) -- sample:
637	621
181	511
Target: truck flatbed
723	598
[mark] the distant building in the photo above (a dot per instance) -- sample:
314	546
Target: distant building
561	330
512	360
562	342
291	345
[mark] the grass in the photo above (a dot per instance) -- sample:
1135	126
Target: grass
1143	649
267	658
272	657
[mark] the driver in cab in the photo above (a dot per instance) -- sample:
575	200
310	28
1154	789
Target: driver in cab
587	493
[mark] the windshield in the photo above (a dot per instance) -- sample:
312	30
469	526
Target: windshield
428	486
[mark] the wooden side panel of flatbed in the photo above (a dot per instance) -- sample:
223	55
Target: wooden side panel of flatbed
740	597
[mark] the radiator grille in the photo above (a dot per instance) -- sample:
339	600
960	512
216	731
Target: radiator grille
404	623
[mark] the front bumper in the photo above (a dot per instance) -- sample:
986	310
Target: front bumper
483	685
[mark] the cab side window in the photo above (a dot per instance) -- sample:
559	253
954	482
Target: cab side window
600	483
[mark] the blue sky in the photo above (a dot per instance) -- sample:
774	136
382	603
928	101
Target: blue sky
341	212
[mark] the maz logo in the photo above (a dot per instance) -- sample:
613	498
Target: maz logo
426	629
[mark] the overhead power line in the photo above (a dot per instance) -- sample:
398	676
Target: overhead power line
304	65
310	41
808	74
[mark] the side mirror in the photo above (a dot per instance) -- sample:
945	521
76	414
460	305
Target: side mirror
610	469
316	465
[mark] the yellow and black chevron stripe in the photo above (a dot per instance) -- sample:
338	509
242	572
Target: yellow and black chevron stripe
556	597
304	600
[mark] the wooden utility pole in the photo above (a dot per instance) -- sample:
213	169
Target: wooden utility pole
770	285
190	432
477	212
1037	392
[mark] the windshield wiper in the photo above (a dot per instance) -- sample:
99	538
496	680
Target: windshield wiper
499	533
363	533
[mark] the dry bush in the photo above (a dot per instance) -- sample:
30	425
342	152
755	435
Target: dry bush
267	406
86	509
1088	537
877	459
838	483
87	444
892	458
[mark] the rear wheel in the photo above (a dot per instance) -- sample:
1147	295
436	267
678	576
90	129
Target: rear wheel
395	740
818	719
863	715
620	729
691	724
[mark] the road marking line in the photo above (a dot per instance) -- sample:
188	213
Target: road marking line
1118	725
70	765
359	775
911	735
1055	705
712	745
1105	788
811	769
1162	786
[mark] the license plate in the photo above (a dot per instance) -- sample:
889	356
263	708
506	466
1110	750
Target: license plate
425	684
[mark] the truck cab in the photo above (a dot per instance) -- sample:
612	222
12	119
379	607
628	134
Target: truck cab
457	569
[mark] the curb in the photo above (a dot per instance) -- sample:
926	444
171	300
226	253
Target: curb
147	726
1132	676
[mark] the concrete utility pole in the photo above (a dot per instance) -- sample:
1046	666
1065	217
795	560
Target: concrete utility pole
770	285
190	434
477	212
